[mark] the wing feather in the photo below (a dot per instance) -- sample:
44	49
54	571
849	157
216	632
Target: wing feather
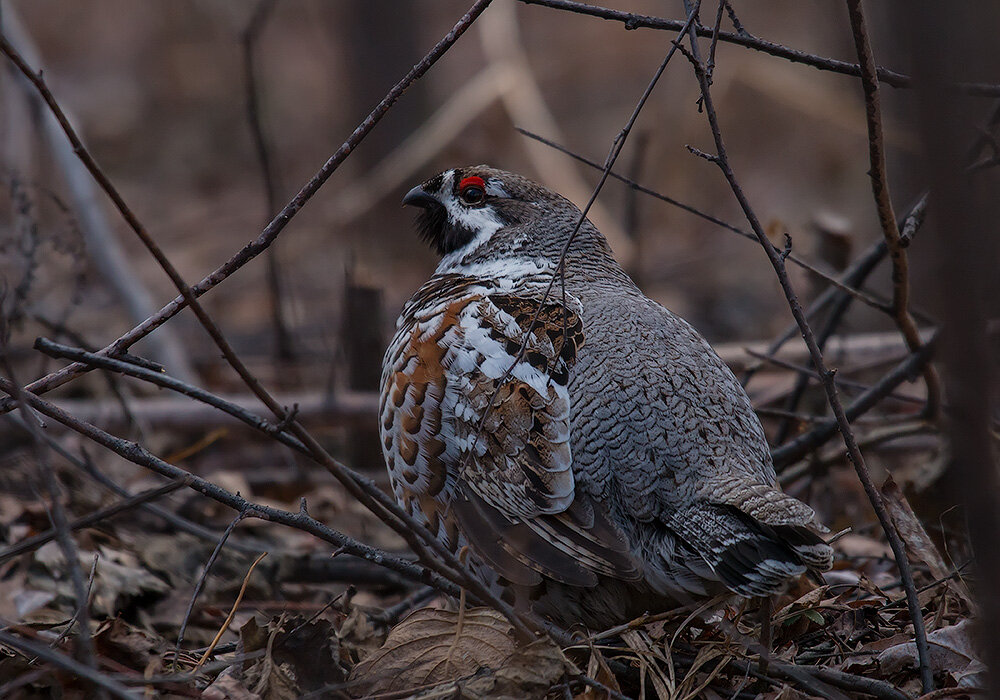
511	407
476	407
524	478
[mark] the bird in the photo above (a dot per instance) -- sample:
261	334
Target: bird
584	449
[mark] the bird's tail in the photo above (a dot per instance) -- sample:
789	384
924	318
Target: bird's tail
757	541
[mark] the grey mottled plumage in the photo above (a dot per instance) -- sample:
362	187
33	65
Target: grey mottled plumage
591	450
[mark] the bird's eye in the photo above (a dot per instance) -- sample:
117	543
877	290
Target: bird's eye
472	190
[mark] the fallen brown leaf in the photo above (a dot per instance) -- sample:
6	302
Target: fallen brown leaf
432	646
227	687
299	657
127	644
950	649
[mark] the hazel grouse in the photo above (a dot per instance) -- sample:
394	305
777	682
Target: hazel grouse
586	445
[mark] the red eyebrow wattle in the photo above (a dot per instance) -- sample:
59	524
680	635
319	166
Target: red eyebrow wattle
472	180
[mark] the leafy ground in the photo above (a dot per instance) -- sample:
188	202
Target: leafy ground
290	627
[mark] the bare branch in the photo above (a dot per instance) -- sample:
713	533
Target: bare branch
278	223
887	216
635	21
843	423
138	454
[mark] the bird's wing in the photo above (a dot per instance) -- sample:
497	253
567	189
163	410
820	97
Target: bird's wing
468	412
509	398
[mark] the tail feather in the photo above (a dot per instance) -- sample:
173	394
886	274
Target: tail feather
768	504
751	557
812	550
757	566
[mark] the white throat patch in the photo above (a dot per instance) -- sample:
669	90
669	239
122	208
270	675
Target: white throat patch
505	273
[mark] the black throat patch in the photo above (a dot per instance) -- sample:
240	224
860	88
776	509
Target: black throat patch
444	236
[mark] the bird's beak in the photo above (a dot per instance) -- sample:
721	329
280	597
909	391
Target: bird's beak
419	197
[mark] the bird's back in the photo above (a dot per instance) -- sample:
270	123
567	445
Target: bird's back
666	438
653	403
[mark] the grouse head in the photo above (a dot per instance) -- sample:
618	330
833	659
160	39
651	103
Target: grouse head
479	214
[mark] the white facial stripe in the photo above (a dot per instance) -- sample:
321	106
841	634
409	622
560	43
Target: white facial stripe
447	182
482	220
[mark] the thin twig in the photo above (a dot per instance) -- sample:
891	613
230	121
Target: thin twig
887	218
632	20
62	661
200	583
833	397
232	612
62	330
716	28
809	373
30	543
826	331
83	609
597	685
796	449
737	25
284	349
278	223
87	467
392	614
634	186
845	681
858	271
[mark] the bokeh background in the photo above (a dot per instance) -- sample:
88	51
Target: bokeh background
157	89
